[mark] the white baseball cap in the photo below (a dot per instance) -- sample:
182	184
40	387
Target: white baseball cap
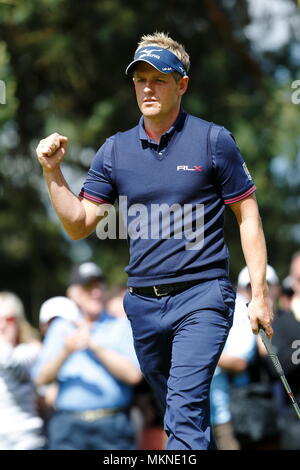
58	307
244	278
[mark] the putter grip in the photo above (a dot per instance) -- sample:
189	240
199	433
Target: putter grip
271	351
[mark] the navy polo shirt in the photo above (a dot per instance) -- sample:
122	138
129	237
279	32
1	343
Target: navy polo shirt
171	197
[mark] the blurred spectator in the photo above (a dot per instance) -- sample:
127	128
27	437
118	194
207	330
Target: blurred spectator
152	435
261	370
286	295
53	308
95	366
286	339
57	307
295	276
114	304
20	425
231	371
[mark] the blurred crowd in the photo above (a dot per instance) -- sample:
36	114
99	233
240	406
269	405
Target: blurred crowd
75	382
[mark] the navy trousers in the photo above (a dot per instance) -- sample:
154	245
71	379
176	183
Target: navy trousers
178	340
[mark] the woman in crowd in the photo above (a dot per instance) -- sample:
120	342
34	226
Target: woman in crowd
21	428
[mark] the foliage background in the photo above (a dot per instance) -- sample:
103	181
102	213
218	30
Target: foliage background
63	66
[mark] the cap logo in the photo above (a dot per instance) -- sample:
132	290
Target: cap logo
149	53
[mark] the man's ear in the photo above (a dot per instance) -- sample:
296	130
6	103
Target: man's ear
183	85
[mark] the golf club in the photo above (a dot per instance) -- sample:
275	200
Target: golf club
274	358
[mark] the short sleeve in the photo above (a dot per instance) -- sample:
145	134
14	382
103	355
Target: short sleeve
233	178
99	186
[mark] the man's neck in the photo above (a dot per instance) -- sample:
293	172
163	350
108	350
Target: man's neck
157	126
91	318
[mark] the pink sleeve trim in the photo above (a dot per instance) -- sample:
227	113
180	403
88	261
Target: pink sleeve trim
241	196
84	195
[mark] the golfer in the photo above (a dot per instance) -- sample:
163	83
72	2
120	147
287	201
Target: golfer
176	173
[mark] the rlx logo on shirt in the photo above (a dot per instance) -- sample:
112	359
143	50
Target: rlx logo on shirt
186	168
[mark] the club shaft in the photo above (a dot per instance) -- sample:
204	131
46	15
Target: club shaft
274	358
290	394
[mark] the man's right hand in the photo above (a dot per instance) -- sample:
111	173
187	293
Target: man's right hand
51	151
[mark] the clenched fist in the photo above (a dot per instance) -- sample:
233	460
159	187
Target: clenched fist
51	151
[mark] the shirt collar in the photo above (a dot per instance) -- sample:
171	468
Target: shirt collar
177	126
103	316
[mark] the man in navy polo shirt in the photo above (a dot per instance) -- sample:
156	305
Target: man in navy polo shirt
172	174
